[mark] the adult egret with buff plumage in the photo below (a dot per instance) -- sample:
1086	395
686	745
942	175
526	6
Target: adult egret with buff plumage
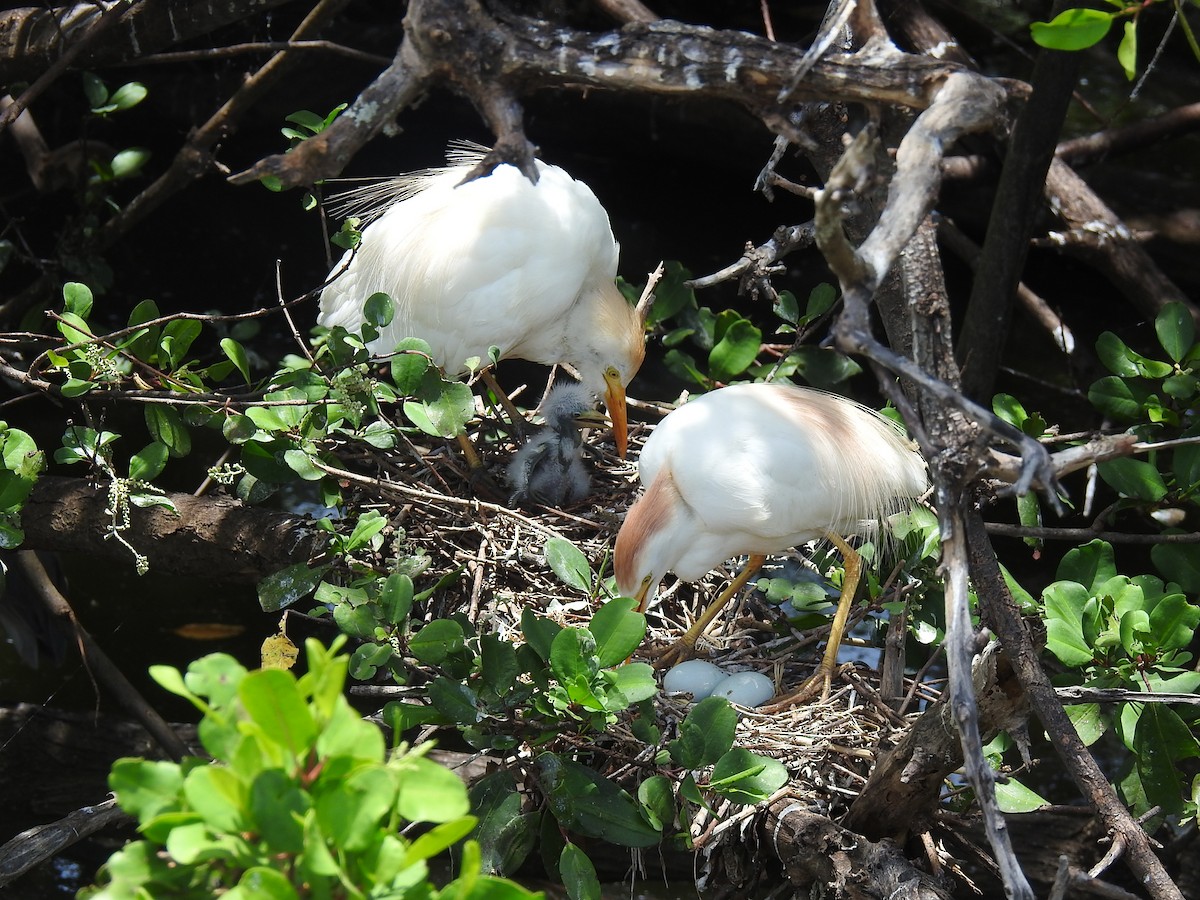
754	469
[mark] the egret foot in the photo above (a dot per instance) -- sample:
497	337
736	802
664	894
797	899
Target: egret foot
679	651
820	683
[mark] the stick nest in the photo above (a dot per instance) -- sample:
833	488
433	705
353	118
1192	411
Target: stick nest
828	748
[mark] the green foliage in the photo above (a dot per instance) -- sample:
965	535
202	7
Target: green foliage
21	462
728	346
1078	29
1130	633
302	798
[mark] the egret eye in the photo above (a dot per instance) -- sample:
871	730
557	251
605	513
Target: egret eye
611	373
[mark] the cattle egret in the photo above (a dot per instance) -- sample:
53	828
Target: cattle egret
495	262
756	469
549	469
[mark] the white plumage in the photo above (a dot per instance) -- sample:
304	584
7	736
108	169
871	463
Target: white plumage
756	469
497	261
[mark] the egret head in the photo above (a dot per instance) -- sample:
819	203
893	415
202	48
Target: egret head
610	353
649	542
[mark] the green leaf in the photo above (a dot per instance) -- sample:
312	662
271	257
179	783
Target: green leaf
219	796
635	682
737	347
1179	563
539	632
1010	409
285	587
129	162
498	664
569	563
671	294
273	702
437	640
1161	740
1118	398
1014	797
574	664
705	735
746	777
409	365
128	95
429	792
94	90
1088	721
1173	622
237	355
1091	565
454	700
618	630
787	307
263	883
149	463
349	812
1072	29
1065	601
177	338
1134	478
77	299
145	788
1127	49
1176	330
585	801
396	598
378	309
505	836
166	426
578	874
302	464
658	801
445	414
1115	355
439	838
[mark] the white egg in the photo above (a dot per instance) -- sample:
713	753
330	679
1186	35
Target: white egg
745	689
695	676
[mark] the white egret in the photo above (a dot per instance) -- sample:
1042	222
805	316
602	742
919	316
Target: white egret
756	469
496	262
549	469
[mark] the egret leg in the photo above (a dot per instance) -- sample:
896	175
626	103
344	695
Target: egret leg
823	677
514	415
685	647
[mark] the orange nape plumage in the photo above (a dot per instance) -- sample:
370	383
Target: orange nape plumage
757	469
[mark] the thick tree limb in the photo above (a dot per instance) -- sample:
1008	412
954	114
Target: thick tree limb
1018	200
212	537
814	849
458	43
32	38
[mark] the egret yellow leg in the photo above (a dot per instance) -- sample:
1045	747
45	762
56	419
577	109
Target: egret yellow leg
685	647
510	410
823	677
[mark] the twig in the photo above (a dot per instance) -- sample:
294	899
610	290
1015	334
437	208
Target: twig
1087	534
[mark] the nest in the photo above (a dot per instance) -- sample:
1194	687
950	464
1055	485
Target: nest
828	748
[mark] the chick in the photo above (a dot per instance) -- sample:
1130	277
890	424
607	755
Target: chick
549	469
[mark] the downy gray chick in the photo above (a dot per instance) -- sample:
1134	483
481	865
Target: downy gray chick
549	469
